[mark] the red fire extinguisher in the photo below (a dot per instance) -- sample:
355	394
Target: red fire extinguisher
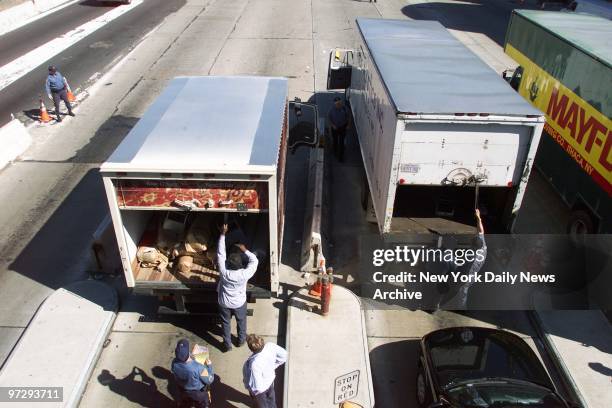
326	289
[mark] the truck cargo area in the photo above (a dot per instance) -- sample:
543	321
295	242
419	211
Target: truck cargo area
169	231
448	210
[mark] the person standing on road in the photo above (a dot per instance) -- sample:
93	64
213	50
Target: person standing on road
259	371
192	377
232	288
339	119
56	87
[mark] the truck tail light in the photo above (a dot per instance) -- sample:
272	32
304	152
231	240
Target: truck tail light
402	181
510	184
471	114
483	114
459	114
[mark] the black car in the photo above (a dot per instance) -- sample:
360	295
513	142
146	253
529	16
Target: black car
475	367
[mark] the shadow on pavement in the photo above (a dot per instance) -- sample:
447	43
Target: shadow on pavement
394	368
59	252
467	16
137	387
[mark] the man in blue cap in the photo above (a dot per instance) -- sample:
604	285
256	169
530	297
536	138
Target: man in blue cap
56	87
192	377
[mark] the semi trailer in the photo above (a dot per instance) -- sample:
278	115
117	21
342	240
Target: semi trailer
440	132
208	151
565	70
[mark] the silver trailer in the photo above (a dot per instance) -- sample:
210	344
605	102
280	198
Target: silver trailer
438	129
209	150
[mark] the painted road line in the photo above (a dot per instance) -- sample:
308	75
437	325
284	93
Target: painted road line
25	21
33	59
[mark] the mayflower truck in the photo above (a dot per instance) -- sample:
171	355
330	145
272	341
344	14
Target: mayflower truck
439	131
208	151
565	62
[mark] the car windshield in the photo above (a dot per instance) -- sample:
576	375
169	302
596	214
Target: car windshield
503	394
483	355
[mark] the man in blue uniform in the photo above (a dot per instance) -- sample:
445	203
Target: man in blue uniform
56	90
192	377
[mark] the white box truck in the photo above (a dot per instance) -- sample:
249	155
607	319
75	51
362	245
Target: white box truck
208	151
433	123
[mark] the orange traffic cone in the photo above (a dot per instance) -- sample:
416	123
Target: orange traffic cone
69	93
44	115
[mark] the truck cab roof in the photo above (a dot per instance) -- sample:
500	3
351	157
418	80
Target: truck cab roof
428	71
208	124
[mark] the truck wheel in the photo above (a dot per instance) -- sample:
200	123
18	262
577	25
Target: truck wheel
423	396
580	223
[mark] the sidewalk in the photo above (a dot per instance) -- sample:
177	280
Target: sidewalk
62	342
581	340
328	356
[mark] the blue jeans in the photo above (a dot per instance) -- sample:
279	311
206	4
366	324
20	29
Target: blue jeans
266	399
241	321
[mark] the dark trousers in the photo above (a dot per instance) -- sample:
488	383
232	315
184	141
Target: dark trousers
198	399
339	134
60	95
266	399
241	321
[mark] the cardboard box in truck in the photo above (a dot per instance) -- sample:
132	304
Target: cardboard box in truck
208	151
433	122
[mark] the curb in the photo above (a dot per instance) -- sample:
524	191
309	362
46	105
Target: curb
36	347
366	350
15	139
557	360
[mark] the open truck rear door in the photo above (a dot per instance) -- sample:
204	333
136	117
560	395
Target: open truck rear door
339	72
303	124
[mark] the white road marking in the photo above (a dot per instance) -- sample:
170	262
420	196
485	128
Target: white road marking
33	59
27	21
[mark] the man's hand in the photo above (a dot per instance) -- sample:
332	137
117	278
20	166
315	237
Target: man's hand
208	362
477	213
242	247
224	229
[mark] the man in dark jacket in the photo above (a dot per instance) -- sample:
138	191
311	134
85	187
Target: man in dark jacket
339	120
56	87
192	377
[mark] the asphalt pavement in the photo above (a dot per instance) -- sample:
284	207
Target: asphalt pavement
53	199
50	204
26	38
83	62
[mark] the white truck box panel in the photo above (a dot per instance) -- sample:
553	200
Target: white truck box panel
430	152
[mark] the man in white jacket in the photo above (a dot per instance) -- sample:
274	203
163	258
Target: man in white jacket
259	371
232	288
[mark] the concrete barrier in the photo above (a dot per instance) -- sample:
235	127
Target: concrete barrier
312	252
14	139
62	343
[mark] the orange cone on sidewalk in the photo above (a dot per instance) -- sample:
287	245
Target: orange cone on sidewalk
44	115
